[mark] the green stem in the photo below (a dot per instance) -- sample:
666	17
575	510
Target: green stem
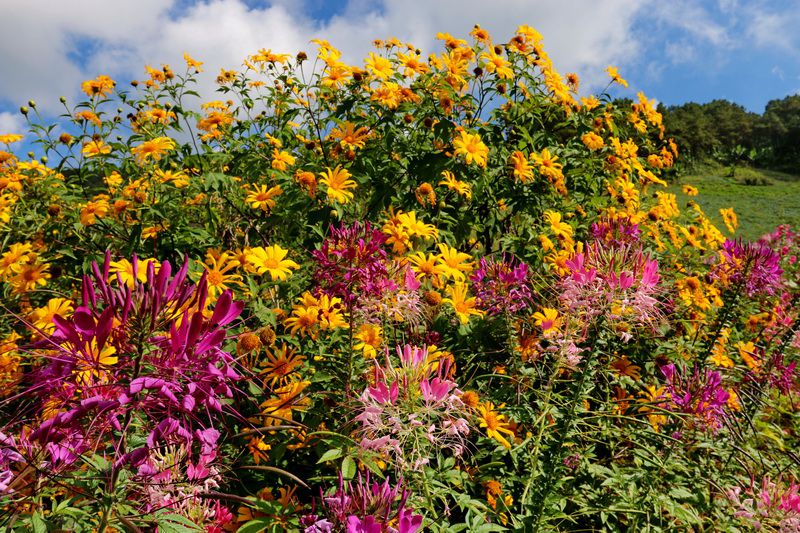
556	457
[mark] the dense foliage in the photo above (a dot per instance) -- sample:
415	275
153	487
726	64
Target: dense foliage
730	134
439	293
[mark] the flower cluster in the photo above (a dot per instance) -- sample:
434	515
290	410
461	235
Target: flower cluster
772	506
501	286
699	395
617	282
754	265
364	507
413	409
351	263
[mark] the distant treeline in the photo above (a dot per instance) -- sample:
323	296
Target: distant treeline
727	132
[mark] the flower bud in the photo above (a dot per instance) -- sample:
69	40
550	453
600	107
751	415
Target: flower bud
32	103
23	110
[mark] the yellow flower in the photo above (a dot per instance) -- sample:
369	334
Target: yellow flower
750	356
522	168
592	141
615	77
196	65
426	266
16	255
259	449
100	86
349	137
154	148
689	190
178	179
263	198
370	337
548	166
624	367
289	398
282	160
96	362
498	65
730	219
453	263
590	103
338	182
271	259
304	317
494	423
217	273
281	364
650	396
93	148
378	66
416	228
388	94
42	318
30	276
733	401
453	184
10	138
560	229
124	269
547	318
472	148
462	305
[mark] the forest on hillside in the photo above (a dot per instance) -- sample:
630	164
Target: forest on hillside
730	134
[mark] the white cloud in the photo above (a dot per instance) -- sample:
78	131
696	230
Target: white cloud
11	123
775	30
39	36
691	17
681	52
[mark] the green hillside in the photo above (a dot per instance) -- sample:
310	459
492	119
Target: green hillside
762	199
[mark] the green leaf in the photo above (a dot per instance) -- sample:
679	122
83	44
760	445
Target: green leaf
256	525
348	468
38	523
330	455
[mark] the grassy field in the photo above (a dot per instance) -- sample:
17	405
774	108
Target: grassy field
762	199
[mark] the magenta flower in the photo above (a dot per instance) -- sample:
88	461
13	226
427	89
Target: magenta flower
617	232
700	395
774	506
362	506
613	281
501	286
351	263
753	264
141	360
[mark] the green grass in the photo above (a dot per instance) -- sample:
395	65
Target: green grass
762	199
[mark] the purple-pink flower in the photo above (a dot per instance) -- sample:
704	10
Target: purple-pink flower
412	408
364	506
501	286
754	265
700	395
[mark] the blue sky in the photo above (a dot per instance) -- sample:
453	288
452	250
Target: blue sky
675	51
